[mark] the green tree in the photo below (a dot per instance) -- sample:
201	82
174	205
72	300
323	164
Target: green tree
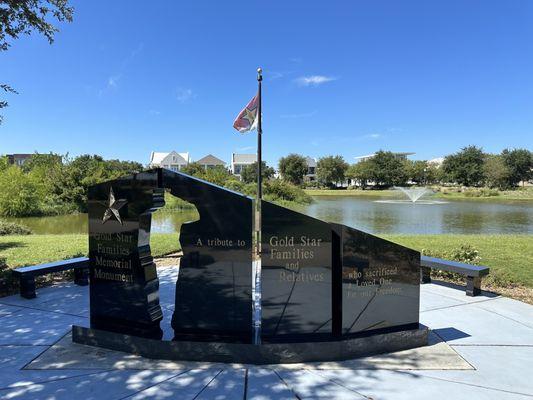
360	172
331	170
421	172
465	167
194	169
117	168
219	175
249	172
19	17
4	163
496	173
416	171
46	170
520	165
87	170
19	196
293	168
387	169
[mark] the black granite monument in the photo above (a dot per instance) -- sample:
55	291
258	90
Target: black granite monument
378	283
123	279
328	291
296	275
214	288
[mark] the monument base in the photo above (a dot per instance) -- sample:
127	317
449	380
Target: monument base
269	353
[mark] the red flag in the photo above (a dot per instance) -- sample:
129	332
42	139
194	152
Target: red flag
247	119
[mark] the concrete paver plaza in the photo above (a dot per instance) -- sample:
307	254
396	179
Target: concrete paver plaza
481	348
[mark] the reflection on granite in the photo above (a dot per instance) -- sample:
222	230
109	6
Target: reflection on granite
123	279
214	287
380	282
296	275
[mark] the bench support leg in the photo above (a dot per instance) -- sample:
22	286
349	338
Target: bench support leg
425	275
81	276
473	286
27	287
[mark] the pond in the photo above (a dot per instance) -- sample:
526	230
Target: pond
455	217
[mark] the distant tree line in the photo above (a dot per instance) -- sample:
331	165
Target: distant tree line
468	167
52	184
49	184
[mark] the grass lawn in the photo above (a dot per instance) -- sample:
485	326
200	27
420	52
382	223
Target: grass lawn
510	257
520	194
358	192
36	249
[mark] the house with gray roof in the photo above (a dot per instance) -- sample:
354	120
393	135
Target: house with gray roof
239	161
210	161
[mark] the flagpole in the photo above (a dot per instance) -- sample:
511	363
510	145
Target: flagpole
257	284
259	159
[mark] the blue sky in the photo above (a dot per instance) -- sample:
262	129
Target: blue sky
341	77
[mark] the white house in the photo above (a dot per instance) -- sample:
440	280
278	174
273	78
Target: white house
437	162
239	161
173	160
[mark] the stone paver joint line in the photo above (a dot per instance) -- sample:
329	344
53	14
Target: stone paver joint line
341	385
245	385
155	384
208	383
286	385
25	384
478	352
471	384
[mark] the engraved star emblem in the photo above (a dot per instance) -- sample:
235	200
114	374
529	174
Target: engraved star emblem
250	115
113	206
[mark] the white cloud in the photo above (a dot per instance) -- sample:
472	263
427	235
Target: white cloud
273	75
245	148
154	112
184	95
112	81
314	80
371	136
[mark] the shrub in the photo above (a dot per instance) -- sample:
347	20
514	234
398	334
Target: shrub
5	274
19	196
312	185
175	203
12	228
465	253
483	192
277	190
235	185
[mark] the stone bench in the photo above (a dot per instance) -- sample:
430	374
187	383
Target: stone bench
26	275
473	273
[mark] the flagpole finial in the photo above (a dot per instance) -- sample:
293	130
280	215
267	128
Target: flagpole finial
259	74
